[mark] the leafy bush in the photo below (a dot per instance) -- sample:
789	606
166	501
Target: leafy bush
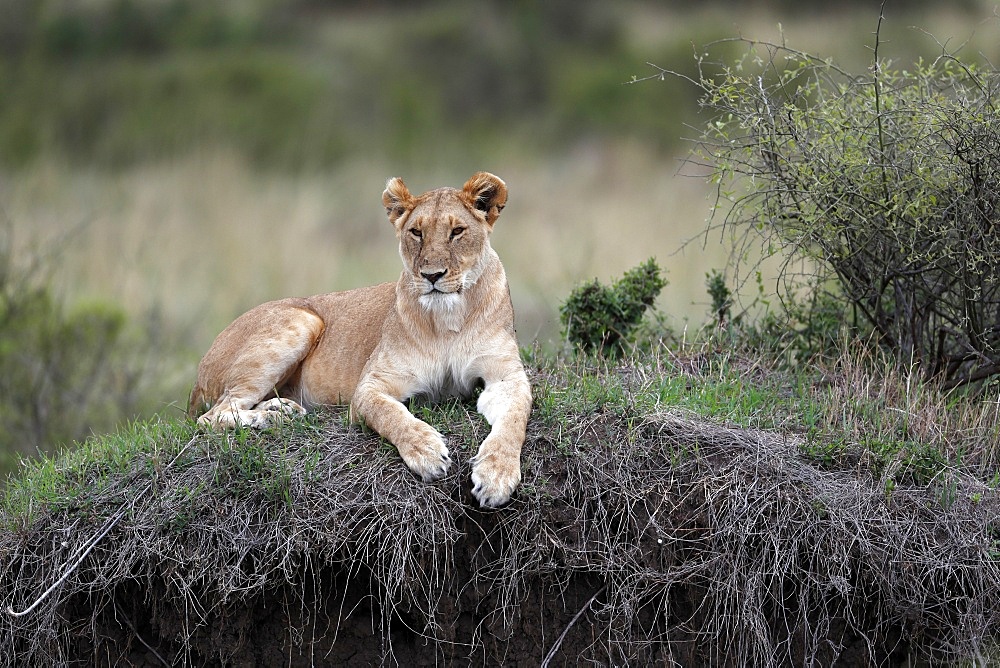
63	373
886	182
601	318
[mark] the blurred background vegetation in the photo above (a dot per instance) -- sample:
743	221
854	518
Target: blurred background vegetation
166	164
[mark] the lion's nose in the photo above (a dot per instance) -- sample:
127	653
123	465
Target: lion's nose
433	276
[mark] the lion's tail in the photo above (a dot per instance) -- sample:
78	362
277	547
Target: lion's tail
196	402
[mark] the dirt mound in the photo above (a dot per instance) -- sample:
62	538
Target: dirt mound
632	540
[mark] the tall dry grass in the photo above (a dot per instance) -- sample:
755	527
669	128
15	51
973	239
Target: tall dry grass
205	237
869	398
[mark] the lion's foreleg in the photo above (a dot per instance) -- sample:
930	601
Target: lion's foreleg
505	402
420	445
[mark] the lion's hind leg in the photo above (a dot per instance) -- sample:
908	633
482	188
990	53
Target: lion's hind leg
251	360
263	415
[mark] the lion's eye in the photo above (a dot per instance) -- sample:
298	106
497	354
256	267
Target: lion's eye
416	233
457	232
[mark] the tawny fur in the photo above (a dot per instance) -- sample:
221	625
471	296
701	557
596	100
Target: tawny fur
444	328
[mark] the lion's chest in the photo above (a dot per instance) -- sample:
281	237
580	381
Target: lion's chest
449	373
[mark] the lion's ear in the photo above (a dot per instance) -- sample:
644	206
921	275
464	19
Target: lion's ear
487	193
396	198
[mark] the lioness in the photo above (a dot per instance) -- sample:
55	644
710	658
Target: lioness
444	328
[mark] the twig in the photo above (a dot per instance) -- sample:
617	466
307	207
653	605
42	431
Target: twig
877	86
92	542
562	636
661	75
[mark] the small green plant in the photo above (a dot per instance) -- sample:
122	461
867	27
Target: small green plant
721	295
601	319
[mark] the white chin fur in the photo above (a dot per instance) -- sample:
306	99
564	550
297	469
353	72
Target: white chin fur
441	302
446	309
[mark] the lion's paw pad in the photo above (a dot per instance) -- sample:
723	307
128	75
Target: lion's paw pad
426	454
493	481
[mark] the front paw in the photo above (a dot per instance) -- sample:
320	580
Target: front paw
424	451
494	478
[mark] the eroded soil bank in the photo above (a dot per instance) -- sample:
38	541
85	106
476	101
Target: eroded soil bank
633	540
340	618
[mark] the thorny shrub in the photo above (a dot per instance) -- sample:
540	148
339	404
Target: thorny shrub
884	184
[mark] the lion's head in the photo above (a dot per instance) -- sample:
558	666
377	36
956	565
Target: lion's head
444	235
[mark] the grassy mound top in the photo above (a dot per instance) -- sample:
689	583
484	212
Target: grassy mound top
643	532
